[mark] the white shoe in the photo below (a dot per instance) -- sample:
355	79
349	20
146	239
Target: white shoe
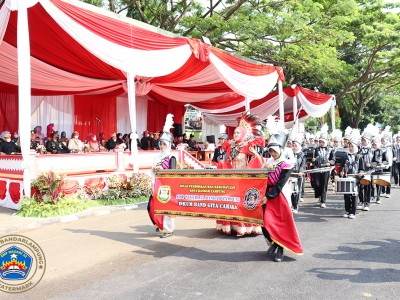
346	215
351	216
387	195
323	205
383	195
301	200
372	198
359	205
378	202
295	211
366	208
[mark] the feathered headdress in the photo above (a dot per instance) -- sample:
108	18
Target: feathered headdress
252	124
166	135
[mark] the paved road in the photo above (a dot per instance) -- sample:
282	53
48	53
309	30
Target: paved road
118	256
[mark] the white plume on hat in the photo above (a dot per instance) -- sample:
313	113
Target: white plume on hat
323	135
336	135
168	123
274	126
355	136
370	131
387	134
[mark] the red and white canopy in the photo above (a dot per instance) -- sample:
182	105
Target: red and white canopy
304	101
61	47
76	48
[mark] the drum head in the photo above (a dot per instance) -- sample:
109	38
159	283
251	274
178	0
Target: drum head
365	181
381	182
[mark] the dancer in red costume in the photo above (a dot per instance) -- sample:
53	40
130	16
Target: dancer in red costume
279	227
241	154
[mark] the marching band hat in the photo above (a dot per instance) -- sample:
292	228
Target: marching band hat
323	137
167	137
191	135
278	139
367	136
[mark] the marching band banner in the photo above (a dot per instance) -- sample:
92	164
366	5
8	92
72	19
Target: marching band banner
233	195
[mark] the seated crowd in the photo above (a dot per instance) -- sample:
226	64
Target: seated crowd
54	143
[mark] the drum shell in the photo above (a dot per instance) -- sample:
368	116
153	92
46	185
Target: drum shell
366	179
382	179
345	186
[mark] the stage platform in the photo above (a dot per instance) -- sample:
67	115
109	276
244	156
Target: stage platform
79	170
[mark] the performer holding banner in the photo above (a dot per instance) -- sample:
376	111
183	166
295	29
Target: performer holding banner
279	227
165	224
240	154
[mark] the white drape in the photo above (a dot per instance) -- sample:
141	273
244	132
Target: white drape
145	63
53	109
4	17
254	87
123	121
314	110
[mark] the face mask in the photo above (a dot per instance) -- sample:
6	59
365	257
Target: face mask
76	136
94	138
8	140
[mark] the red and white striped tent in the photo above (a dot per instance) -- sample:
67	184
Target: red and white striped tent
66	47
297	101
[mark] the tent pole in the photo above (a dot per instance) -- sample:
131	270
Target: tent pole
295	117
132	117
24	92
333	112
281	108
247	105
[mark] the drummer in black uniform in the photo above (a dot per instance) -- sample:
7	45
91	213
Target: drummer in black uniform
323	157
387	160
367	153
298	168
353	164
376	163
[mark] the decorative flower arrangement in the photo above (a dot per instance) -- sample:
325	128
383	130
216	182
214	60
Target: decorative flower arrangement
140	184
115	182
206	144
86	148
41	149
47	187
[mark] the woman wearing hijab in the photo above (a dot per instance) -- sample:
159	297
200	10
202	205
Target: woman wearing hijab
164	160
279	227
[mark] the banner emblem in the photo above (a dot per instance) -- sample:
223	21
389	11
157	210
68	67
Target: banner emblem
251	198
164	193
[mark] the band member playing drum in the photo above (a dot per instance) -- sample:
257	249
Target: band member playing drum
367	153
298	168
323	157
376	163
352	165
387	160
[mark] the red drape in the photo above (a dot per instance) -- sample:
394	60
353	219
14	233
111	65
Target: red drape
157	112
8	112
88	108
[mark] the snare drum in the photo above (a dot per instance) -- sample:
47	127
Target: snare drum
366	179
293	185
382	179
345	186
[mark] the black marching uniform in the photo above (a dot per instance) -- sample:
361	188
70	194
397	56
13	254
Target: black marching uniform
365	190
299	167
353	164
376	161
323	158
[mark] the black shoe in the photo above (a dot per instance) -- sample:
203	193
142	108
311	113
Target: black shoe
272	249
279	255
165	235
